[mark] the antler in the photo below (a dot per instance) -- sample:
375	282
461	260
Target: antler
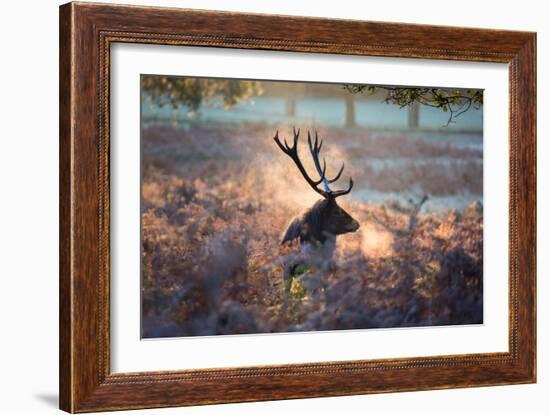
314	148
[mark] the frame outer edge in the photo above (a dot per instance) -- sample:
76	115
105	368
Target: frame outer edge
527	118
534	172
66	120
523	152
84	205
82	387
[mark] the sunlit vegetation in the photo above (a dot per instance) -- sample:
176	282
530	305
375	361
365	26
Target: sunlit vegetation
215	201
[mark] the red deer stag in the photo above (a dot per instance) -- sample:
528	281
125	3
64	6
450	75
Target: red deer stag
322	222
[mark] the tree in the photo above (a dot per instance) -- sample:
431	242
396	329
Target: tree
180	92
414	115
350	111
454	101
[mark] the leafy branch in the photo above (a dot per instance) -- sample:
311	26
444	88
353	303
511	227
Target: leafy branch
454	101
179	92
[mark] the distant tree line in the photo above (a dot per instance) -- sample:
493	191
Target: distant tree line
180	92
193	92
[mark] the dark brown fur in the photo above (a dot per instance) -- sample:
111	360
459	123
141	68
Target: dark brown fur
324	220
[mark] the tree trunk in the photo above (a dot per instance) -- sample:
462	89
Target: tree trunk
350	111
414	115
290	107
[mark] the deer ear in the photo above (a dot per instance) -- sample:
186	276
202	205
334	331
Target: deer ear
293	231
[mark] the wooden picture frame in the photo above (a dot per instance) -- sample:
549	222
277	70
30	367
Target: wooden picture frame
86	33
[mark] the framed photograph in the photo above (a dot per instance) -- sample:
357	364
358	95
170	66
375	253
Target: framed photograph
260	207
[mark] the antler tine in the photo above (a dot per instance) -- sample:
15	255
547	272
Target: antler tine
316	146
278	141
339	193
338	175
296	134
292	152
324	170
285	148
314	150
320	143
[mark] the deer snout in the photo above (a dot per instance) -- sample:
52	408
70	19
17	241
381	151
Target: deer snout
354	226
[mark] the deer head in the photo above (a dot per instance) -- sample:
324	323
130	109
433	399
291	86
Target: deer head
325	219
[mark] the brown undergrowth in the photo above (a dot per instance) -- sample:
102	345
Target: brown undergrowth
213	211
